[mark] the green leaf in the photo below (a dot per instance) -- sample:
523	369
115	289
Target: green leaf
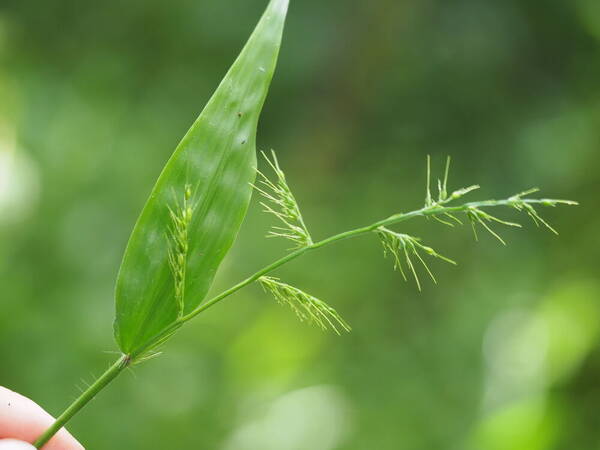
200	199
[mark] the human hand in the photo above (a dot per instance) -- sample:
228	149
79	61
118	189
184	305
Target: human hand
23	421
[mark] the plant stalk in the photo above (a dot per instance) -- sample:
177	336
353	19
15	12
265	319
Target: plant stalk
126	360
112	372
426	211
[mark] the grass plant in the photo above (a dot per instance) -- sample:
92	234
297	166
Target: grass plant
198	204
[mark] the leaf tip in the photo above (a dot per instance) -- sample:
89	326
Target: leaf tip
279	7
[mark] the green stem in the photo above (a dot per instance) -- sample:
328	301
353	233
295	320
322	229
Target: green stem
112	372
124	361
434	209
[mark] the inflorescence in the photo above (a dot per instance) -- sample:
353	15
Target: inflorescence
283	206
181	216
306	307
406	250
402	247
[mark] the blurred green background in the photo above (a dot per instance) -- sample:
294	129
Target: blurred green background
502	355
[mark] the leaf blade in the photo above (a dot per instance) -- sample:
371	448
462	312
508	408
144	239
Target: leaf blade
216	163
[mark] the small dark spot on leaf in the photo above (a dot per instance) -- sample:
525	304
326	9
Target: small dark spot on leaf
244	141
239	114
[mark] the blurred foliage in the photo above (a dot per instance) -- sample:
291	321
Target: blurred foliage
503	354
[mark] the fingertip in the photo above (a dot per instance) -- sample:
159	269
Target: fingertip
63	440
13	444
21	418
